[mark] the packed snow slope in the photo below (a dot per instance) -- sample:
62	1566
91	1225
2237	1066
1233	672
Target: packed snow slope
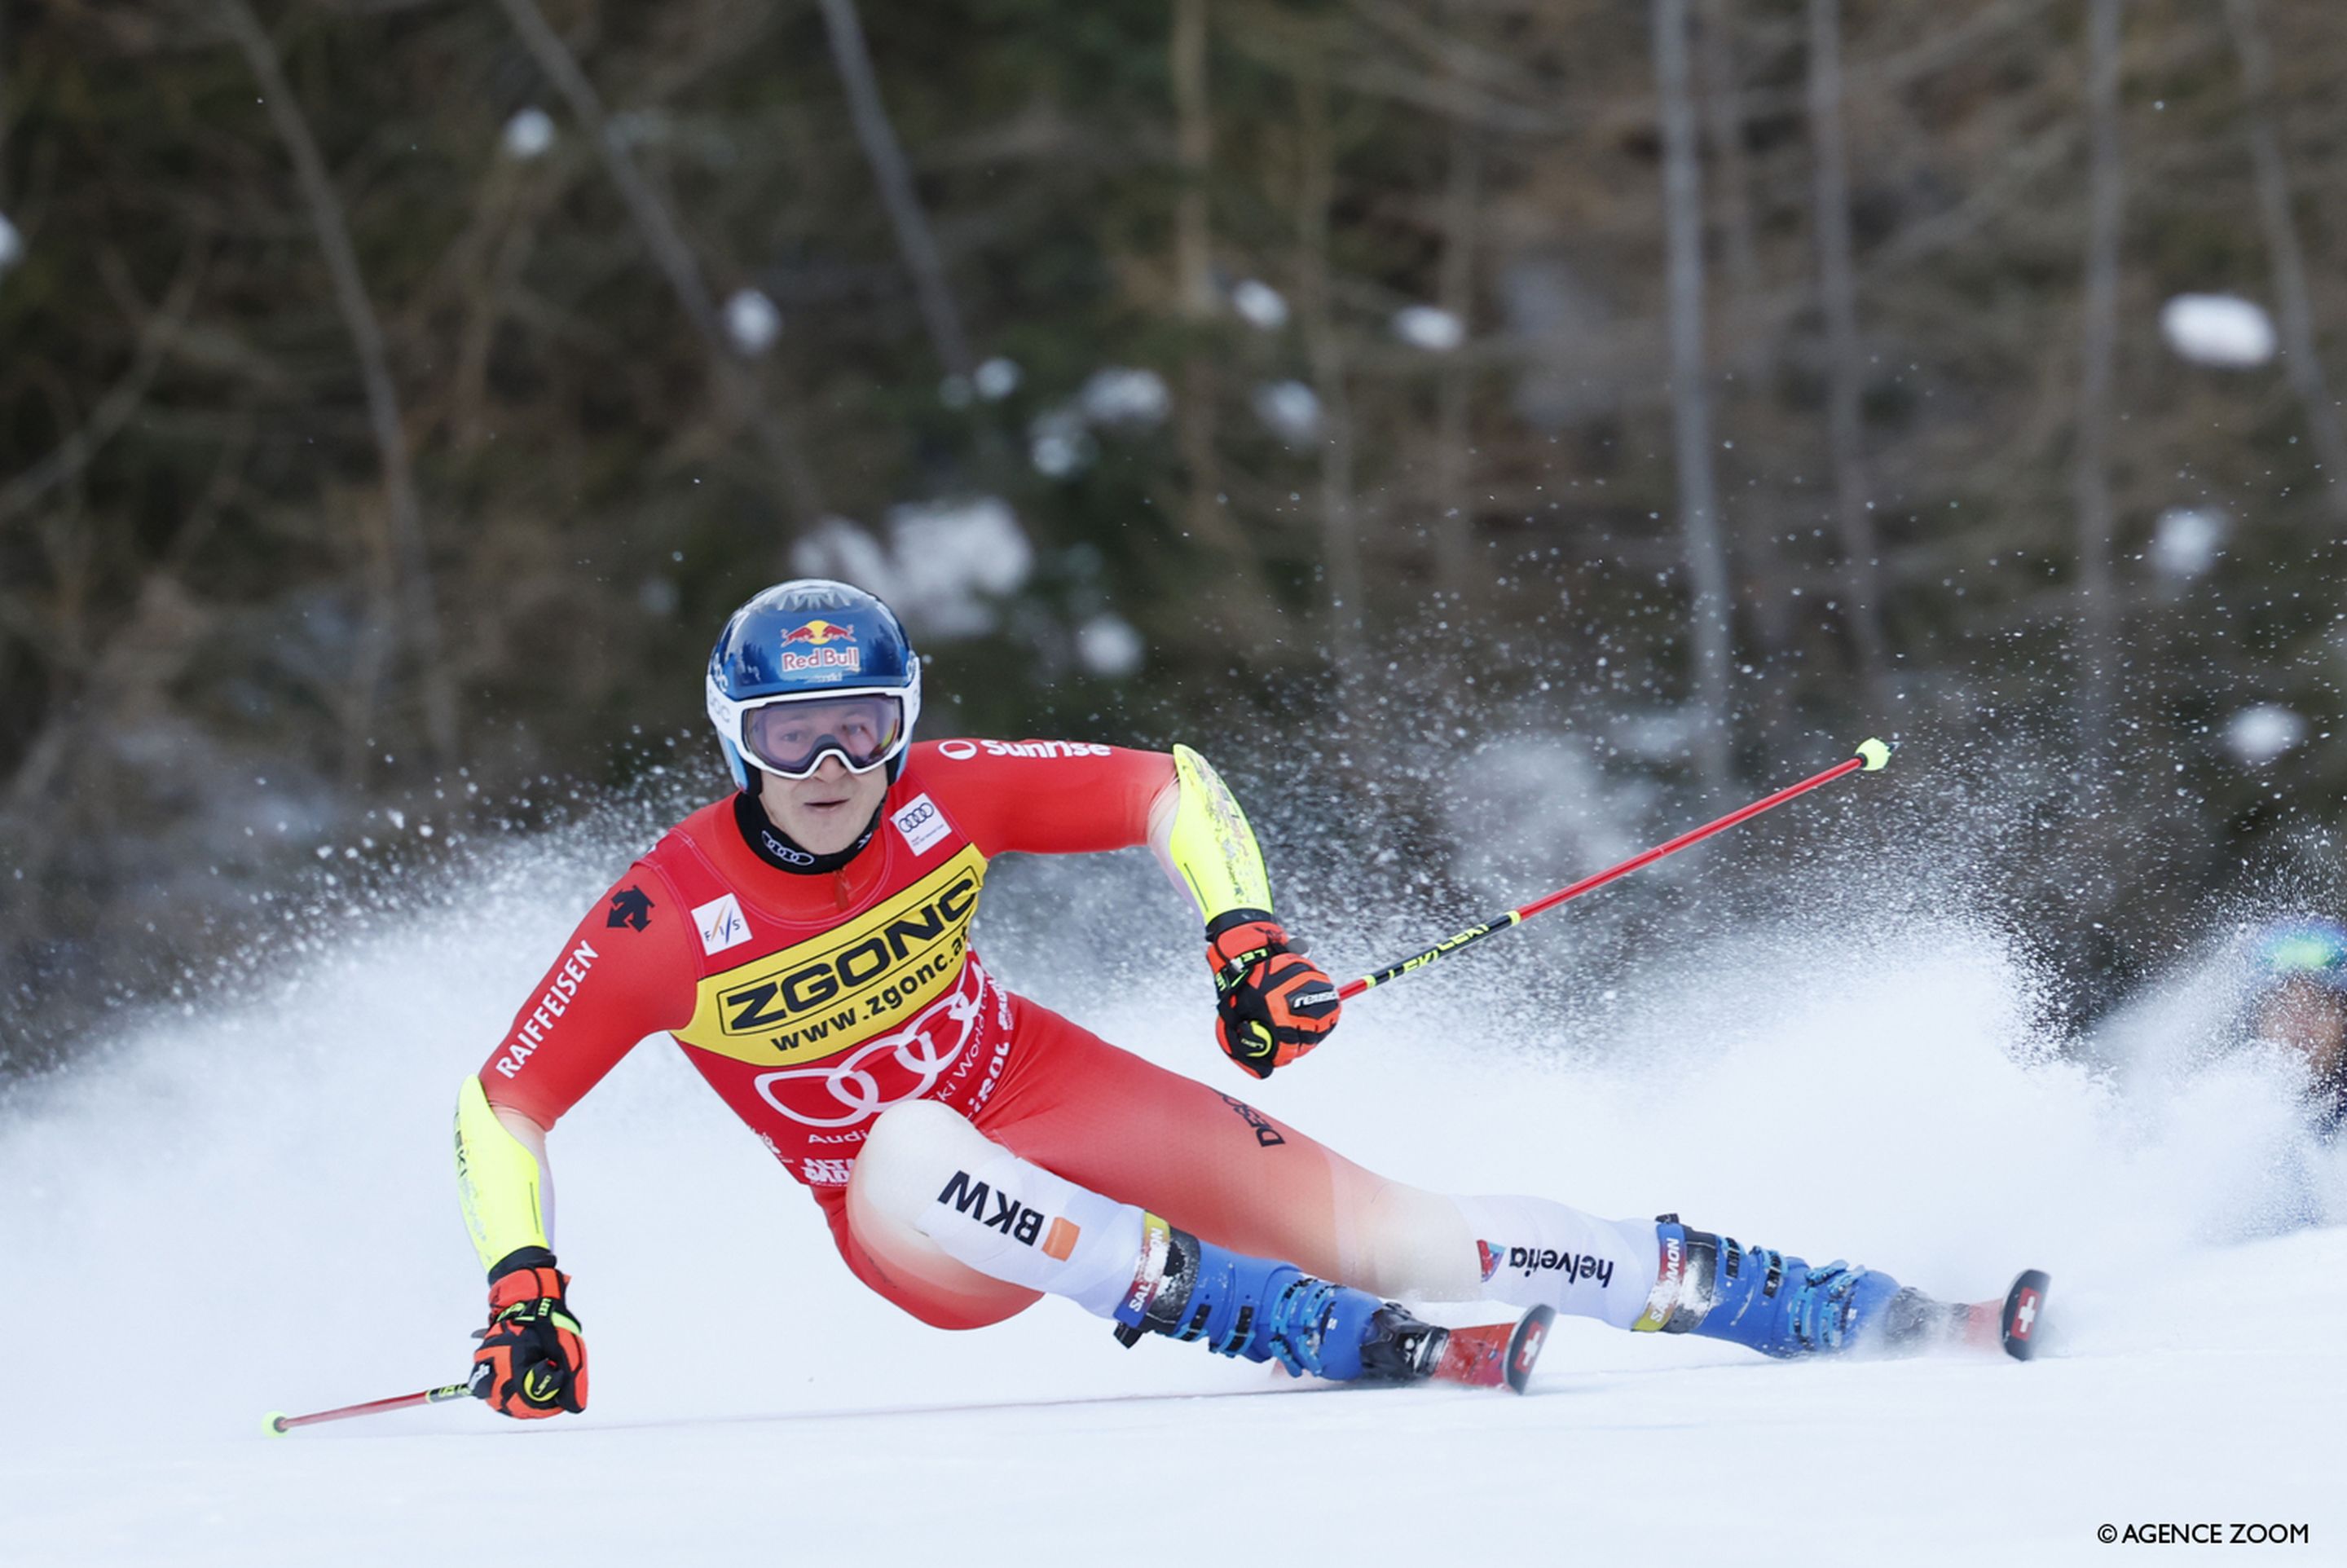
249	1206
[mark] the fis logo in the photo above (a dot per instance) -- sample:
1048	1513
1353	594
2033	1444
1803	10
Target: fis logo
1574	1267
721	924
822	634
1492	1255
1009	1215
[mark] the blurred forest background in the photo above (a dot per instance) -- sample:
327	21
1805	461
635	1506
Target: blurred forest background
1642	398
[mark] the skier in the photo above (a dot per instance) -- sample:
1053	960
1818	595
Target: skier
806	942
2300	1006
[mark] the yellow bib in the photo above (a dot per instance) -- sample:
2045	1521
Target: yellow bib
858	980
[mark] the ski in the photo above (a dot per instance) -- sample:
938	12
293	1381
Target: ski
1493	1355
2011	1325
2016	1324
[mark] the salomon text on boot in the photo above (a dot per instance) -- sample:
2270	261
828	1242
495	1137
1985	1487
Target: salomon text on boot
1266	1310
1778	1306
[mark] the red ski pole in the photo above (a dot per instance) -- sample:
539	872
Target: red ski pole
278	1423
1872	757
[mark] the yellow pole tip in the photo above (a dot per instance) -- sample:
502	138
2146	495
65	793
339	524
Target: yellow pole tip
1875	754
273	1423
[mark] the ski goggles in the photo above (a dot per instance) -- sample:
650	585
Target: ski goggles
790	737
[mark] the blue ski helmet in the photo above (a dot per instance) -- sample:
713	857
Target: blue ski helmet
2308	948
812	641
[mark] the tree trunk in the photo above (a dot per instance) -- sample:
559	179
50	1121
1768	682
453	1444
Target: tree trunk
404	521
895	178
1193	152
1208	518
2293	302
2097	589
1757	558
3	110
1845	354
1724	124
157	335
1340	544
1707	608
658	230
1456	563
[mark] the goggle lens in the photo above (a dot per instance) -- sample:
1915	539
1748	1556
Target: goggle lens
791	738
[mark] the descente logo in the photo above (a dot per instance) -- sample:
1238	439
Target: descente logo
962	751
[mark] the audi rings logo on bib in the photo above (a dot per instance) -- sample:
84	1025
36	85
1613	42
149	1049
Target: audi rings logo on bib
909	1064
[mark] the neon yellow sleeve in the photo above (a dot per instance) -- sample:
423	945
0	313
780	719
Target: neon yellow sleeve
496	1180
1211	846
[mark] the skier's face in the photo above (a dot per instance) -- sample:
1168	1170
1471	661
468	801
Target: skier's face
2311	1019
825	811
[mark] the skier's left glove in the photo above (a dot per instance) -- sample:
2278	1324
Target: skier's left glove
1273	1003
532	1360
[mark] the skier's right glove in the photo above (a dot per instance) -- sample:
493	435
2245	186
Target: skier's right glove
532	1360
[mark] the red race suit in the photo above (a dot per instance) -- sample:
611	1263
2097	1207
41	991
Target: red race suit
814	1002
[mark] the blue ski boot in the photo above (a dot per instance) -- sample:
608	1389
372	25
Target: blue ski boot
1778	1306
1268	1311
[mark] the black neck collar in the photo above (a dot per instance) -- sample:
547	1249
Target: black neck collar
774	846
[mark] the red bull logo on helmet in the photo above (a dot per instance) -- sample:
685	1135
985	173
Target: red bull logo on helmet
829	646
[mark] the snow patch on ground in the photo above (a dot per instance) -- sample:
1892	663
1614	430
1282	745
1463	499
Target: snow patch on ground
1123	395
998	378
1108	646
277	1175
752	322
529	134
2220	330
2259	733
1289	409
1427	327
945	564
2185	541
1259	304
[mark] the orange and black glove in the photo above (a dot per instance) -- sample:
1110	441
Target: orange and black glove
1275	1004
532	1360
